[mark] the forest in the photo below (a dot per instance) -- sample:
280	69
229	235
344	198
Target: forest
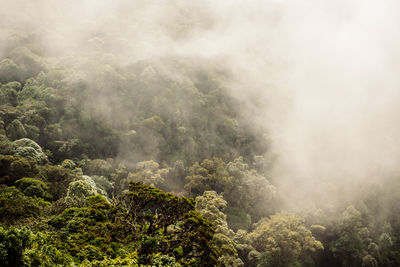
109	158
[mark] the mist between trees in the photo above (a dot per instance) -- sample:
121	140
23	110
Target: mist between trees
199	133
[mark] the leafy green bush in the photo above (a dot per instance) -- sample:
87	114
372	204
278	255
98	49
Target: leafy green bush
80	189
13	168
33	187
14	205
28	148
13	243
15	130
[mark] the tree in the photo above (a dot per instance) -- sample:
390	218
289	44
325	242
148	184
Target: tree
149	173
28	148
9	71
352	239
59	179
208	175
186	234
13	243
251	192
211	206
33	188
369	261
13	168
15	130
8	93
284	239
80	189
14	205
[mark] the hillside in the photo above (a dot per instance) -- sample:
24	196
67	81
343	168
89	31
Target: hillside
153	160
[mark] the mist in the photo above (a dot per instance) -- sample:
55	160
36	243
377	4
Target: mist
320	77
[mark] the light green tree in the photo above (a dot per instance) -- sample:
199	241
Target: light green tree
211	206
80	189
149	172
15	130
284	240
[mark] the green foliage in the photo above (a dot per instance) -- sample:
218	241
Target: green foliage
103	184
251	191
153	210
33	188
13	242
15	130
6	146
164	260
43	253
103	233
210	205
154	123
13	168
352	240
130	261
96	167
98	201
80	189
237	218
68	164
284	238
28	148
369	261
142	199
59	179
9	71
8	93
243	188
29	64
114	122
14	205
208	175
149	173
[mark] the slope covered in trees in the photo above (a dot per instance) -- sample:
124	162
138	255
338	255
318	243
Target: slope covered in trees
89	148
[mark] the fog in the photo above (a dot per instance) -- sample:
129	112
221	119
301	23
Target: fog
321	77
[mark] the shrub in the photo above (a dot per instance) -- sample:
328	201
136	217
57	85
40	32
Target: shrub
33	187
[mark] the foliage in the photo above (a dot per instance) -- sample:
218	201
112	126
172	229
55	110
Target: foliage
211	206
14	205
208	175
76	128
149	173
80	189
59	179
13	242
237	218
15	130
8	93
28	148
33	188
252	191
284	238
13	168
153	211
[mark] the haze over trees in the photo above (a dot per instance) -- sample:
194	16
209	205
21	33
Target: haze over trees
128	138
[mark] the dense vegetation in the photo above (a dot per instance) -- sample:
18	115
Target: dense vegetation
89	147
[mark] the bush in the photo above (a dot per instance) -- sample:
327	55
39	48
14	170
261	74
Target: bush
33	187
15	130
13	168
80	189
13	242
26	147
14	205
59	179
